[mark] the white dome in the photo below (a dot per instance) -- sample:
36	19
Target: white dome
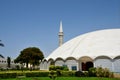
94	44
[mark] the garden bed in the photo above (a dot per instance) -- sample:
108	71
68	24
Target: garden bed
64	78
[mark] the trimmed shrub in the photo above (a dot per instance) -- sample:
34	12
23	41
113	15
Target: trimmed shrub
79	74
52	74
86	74
58	72
103	72
100	72
92	72
68	73
2	75
37	74
65	68
7	75
53	67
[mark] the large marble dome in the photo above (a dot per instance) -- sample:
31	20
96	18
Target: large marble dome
97	48
93	44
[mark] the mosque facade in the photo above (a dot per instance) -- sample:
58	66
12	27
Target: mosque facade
94	49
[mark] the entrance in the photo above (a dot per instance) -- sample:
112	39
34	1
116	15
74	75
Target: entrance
86	66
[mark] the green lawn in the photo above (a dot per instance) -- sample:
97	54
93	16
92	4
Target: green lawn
64	78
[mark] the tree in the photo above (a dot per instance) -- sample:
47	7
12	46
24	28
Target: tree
1	56
1	44
9	61
31	55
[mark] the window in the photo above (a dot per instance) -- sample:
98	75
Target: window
74	67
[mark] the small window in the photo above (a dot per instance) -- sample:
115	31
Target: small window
74	67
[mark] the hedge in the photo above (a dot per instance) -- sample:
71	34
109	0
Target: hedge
37	74
67	73
34	74
8	75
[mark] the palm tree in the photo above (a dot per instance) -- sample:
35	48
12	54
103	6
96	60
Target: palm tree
1	44
1	56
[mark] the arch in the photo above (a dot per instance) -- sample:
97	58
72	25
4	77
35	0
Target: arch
70	58
59	58
104	62
44	60
51	61
84	63
117	57
71	63
85	59
103	57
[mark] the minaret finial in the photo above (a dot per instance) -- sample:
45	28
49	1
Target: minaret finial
61	29
61	34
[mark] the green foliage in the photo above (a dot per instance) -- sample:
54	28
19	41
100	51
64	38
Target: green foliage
68	73
1	44
65	68
26	74
53	67
61	70
103	72
79	74
7	75
2	56
63	78
100	72
92	72
37	74
31	55
52	74
9	62
86	73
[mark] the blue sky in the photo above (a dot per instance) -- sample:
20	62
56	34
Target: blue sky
35	23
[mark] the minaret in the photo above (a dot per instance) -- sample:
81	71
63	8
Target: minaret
60	34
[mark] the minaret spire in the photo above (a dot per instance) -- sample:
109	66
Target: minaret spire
60	34
61	29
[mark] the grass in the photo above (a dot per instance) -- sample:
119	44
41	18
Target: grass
63	78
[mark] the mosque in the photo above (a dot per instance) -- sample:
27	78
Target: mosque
94	49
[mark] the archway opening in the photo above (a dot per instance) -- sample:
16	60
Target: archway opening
86	66
89	65
52	63
83	66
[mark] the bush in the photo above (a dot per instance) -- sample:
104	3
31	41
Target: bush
103	72
53	67
79	74
7	75
86	74
52	74
58	72
100	72
65	68
37	74
68	73
92	72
